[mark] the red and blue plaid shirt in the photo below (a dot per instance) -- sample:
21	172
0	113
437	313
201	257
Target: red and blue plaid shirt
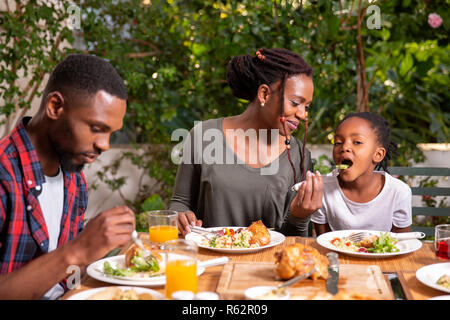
23	232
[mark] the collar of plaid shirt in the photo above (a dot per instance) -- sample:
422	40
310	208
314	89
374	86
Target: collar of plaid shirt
23	232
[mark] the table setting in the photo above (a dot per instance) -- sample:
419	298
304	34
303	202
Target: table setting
234	263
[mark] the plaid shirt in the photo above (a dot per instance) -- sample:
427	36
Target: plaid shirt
23	232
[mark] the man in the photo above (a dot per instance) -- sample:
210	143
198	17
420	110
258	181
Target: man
43	193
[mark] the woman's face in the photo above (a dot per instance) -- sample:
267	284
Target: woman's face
298	95
356	144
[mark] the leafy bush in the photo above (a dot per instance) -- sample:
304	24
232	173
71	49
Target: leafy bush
173	56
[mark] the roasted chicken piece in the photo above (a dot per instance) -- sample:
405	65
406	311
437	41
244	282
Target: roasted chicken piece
134	250
261	235
368	241
298	259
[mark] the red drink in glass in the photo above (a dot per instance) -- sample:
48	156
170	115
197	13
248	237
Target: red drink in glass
443	248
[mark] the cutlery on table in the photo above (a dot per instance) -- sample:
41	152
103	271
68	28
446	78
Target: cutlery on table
145	253
213	262
333	272
280	289
202	230
356	237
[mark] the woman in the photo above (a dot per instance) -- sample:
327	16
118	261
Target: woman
240	169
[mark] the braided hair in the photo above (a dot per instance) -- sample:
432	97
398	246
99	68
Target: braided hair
246	73
383	133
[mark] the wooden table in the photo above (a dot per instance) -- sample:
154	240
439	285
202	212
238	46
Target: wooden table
404	265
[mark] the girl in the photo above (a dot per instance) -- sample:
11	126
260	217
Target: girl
360	197
239	190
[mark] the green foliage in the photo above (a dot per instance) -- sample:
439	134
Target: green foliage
154	202
322	166
173	56
31	44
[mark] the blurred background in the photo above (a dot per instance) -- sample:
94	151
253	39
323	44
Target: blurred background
389	57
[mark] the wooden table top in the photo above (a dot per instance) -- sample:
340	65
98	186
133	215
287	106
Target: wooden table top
404	265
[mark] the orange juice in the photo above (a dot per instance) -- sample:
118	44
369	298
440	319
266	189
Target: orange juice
181	275
163	233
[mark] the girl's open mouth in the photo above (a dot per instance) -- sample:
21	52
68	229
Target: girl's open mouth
345	164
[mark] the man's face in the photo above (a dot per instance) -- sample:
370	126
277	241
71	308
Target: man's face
83	131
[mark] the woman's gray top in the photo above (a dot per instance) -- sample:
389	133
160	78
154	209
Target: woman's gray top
223	191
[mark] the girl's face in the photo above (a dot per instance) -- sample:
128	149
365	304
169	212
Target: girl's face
356	144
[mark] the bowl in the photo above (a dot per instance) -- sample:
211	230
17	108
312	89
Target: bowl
263	293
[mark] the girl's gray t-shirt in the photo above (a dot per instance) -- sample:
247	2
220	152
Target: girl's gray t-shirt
223	191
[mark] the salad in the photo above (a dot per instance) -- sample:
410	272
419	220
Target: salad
231	238
444	281
141	267
383	243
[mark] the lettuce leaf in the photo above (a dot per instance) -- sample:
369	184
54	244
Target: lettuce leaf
384	244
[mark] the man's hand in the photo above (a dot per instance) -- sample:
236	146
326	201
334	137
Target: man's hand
108	230
185	220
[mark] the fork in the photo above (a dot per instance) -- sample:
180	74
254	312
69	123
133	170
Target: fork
202	230
356	237
138	241
281	288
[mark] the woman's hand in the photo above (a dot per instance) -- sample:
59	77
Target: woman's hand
309	196
185	220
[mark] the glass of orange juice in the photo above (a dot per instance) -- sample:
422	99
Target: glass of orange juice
162	226
180	266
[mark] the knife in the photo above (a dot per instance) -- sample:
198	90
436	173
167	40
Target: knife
333	272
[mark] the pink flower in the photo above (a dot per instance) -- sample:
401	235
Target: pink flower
434	20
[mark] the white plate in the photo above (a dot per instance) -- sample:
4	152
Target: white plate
95	270
84	295
275	239
446	297
428	275
405	246
257	293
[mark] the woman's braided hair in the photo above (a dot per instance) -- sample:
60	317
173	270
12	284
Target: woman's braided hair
383	133
246	73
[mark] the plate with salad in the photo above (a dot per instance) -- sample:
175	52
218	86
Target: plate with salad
237	239
142	272
377	244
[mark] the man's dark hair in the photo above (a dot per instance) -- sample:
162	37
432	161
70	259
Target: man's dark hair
383	132
84	75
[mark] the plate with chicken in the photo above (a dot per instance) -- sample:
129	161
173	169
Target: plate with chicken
250	239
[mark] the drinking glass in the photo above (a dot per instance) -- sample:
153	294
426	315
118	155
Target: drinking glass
442	241
162	225
181	266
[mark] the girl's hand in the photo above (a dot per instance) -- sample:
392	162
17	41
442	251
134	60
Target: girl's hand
185	220
309	196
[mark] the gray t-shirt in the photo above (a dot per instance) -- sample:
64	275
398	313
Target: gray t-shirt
223	191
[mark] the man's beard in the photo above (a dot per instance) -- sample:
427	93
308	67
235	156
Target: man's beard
65	159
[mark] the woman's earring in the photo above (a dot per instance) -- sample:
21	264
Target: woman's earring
262	104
